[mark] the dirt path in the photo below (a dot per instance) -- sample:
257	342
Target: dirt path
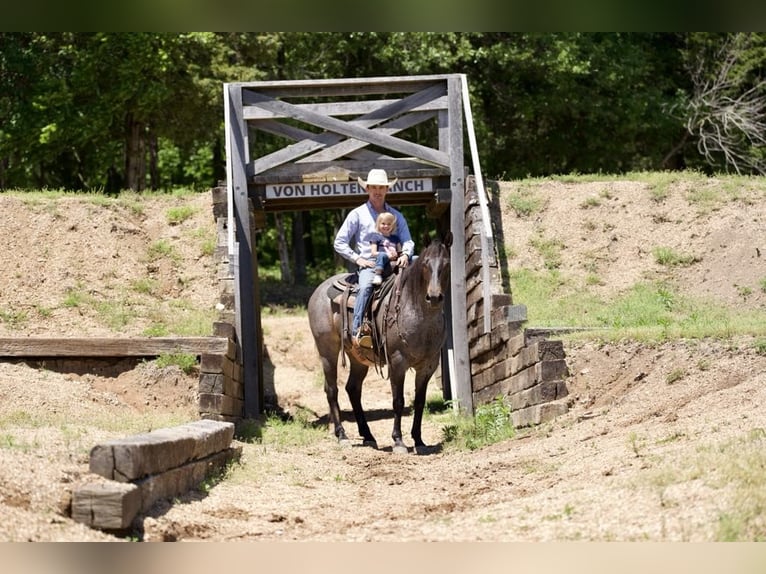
606	471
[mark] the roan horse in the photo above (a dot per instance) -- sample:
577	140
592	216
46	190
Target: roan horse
411	321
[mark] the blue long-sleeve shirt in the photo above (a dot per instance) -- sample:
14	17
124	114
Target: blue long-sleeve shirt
350	241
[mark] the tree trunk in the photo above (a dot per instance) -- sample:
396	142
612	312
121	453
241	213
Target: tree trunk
299	248
135	154
154	170
284	253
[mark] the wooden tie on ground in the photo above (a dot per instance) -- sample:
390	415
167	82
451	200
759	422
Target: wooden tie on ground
148	467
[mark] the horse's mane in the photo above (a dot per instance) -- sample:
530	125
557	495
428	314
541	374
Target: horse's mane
414	268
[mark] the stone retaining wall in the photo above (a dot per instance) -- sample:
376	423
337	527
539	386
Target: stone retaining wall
506	362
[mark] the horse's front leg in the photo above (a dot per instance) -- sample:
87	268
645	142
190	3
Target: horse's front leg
421	385
356	375
397	393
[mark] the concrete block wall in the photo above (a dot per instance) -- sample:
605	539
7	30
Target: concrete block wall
529	371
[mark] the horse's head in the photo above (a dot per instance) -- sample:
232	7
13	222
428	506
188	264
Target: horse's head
434	266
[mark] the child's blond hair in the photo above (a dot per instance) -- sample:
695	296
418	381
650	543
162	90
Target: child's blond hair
386	216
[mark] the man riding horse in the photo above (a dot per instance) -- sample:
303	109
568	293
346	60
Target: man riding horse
351	243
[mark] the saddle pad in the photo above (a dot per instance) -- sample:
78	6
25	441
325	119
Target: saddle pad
338	287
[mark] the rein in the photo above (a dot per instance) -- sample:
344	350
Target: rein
396	295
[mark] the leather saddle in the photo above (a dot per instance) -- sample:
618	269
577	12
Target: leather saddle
342	292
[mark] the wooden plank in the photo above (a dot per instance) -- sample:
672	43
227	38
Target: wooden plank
308	142
352	146
109	347
342	108
180	480
395	167
342	86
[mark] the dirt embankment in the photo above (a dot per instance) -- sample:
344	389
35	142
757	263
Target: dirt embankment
626	463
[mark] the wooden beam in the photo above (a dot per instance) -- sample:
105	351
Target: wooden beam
247	295
460	364
109	347
342	86
342	108
311	142
353	131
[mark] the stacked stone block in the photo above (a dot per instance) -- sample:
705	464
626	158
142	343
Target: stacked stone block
505	362
221	384
141	469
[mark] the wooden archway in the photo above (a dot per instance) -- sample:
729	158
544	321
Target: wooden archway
332	132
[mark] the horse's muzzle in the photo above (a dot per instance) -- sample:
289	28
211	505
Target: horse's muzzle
435	300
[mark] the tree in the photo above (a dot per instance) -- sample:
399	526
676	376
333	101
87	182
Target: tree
726	110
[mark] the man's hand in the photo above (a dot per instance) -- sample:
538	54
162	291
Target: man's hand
362	262
402	261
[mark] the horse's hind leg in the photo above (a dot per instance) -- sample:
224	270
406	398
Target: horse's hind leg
330	369
356	375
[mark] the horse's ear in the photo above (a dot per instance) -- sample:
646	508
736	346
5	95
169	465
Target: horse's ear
447	239
426	240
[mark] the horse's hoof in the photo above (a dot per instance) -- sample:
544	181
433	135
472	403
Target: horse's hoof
371	444
423	449
344	443
400	449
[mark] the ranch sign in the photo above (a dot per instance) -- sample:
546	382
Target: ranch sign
341	188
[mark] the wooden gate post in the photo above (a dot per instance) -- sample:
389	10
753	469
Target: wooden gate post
248	321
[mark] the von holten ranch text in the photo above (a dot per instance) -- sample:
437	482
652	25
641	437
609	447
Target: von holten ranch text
281	191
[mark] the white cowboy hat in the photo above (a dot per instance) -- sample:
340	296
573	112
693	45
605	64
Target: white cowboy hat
377	177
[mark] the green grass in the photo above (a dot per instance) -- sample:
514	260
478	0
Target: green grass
179	214
184	361
525	202
162	249
490	424
670	258
701	192
550	251
13	319
735	470
647	311
123	424
284	434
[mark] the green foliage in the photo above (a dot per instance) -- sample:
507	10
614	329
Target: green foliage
179	214
646	311
670	258
184	361
543	103
524	202
491	423
285	433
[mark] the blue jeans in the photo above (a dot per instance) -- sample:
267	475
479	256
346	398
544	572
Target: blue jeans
362	297
381	261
